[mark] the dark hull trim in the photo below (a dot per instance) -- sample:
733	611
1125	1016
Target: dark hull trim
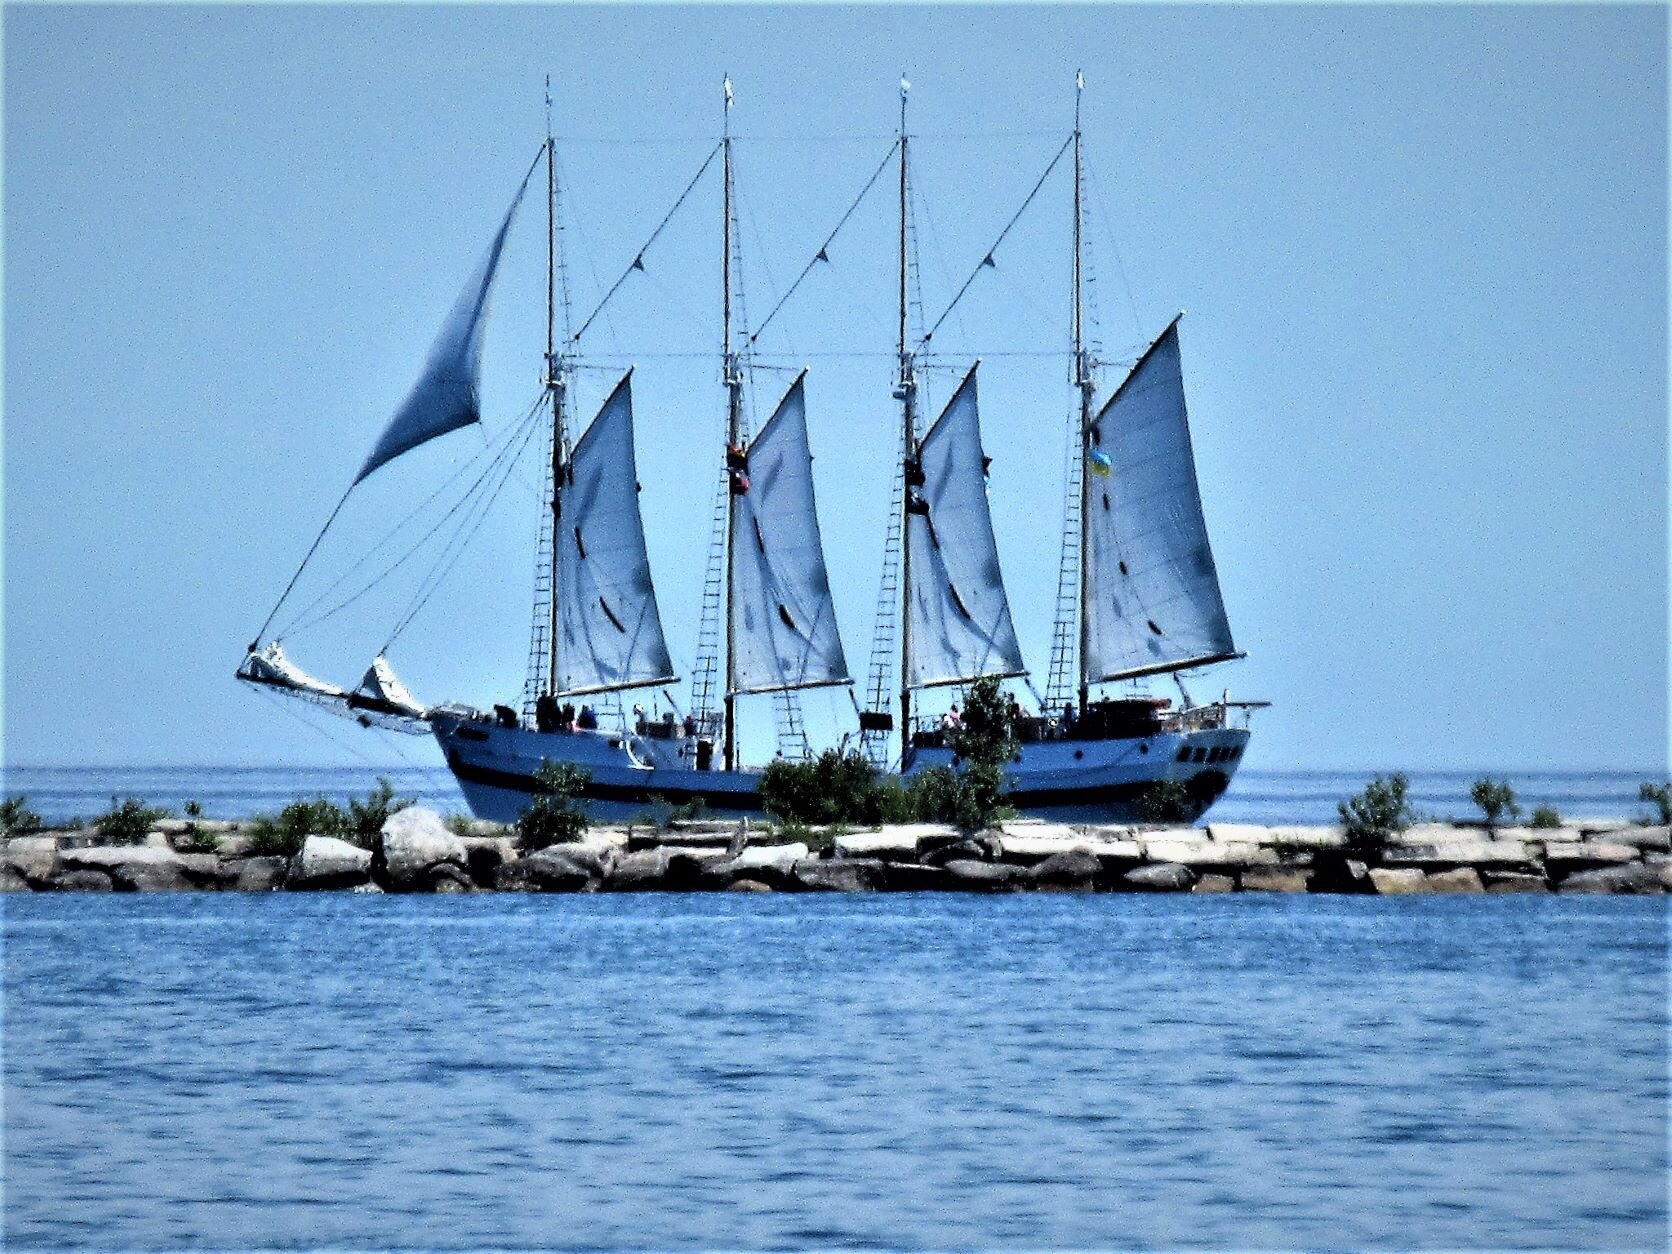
751	801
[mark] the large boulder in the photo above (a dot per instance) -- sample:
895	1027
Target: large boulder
1658	839
643	870
483	856
259	875
914	877
1211	883
133	868
78	881
412	843
326	862
1159	877
1197	852
1634	878
555	869
1564	856
1515	882
1070	871
839	875
1460	850
11	881
967	875
448	877
35	858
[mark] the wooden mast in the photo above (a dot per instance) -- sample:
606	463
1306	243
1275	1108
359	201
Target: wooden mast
907	394
554	385
734	412
1087	386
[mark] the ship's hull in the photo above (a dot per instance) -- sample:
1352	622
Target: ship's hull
1075	780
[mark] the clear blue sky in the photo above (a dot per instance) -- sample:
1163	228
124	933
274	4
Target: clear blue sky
1423	251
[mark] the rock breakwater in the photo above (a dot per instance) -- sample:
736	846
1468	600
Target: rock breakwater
418	852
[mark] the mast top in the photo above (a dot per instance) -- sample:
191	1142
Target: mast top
548	108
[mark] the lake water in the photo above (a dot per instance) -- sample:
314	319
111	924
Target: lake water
238	1071
63	793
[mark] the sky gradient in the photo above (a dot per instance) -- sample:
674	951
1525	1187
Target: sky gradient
1423	253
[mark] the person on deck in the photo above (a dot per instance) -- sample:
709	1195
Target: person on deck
588	719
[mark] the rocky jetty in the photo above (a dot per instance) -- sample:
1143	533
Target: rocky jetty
418	852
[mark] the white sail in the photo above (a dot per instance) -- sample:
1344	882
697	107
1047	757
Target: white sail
446	395
609	629
957	612
783	620
1152	592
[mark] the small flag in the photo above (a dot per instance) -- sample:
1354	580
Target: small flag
905	85
1100	463
728	91
1079	80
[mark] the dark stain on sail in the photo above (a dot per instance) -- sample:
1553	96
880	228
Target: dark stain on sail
579	547
760	541
789	622
1153	627
616	622
957	600
1123	569
1105	500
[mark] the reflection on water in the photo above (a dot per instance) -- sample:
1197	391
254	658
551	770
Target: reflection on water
880	1071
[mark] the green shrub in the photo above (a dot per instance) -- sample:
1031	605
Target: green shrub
365	819
1164	801
16	818
459	824
690	812
200	840
1495	799
931	795
985	744
282	835
128	820
834	787
554	817
1376	814
1660	796
1546	816
193	810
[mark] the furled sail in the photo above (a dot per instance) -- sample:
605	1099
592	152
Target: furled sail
1152	592
271	667
783	620
381	690
609	629
957	611
446	395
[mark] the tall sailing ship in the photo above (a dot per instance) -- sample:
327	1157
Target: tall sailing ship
1138	594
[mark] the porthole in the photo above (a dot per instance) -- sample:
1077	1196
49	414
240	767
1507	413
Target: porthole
1143	748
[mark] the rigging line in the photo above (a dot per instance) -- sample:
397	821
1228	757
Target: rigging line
1114	244
312	726
851	137
312	548
422	540
487	446
988	257
829	239
638	259
460	541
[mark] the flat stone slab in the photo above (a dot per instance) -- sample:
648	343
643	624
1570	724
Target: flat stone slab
780	858
1515	882
1160	877
1658	839
1398	881
1464	879
1455	851
1589	853
1273	880
1636	878
1301	836
1209	853
1030	849
1247	833
1211	883
889	844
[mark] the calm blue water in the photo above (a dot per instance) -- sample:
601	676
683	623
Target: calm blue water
62	793
668	1072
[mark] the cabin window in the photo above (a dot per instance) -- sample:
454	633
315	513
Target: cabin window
1201	755
1183	754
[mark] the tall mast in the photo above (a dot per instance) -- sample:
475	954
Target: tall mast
555	382
907	394
734	411
1082	380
